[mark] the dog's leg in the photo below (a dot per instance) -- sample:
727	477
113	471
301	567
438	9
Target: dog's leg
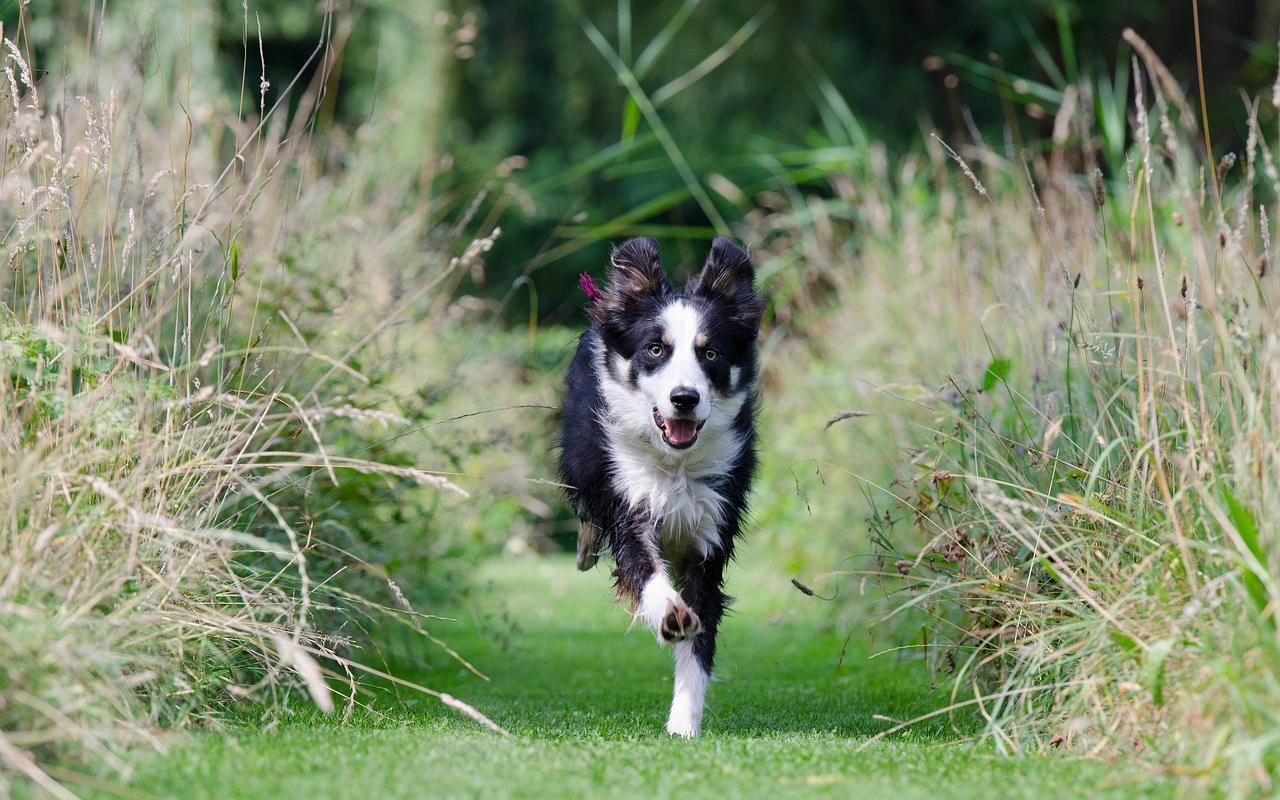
588	545
642	576
689	695
700	583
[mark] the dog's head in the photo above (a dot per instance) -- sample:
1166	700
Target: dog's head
677	360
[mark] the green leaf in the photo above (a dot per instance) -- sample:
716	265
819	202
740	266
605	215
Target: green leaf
997	371
1125	641
235	261
630	119
1153	674
1247	526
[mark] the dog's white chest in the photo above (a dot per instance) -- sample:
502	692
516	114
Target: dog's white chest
687	507
692	513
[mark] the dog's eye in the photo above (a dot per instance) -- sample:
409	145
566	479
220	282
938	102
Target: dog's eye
655	350
710	355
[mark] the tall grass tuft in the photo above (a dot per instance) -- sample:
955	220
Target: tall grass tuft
1081	368
170	385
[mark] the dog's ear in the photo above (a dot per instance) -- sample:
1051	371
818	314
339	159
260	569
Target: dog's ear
729	277
635	275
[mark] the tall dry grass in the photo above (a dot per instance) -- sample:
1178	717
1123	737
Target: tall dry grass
182	351
1081	370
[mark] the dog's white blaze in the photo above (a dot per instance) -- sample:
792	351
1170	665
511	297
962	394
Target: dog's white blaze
680	326
672	484
689	695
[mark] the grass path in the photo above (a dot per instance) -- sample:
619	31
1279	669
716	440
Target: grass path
586	701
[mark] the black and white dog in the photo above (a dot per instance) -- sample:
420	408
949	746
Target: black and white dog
658	444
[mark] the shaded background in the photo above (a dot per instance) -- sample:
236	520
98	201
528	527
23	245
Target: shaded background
525	81
532	85
528	82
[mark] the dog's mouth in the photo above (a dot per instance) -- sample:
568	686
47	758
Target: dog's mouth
677	433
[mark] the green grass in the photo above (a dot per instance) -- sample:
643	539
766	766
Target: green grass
585	702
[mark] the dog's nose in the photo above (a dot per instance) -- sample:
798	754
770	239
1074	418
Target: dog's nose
684	398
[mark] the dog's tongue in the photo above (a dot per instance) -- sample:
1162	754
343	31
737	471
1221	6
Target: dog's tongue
681	431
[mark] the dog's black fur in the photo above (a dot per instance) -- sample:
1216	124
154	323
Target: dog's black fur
615	364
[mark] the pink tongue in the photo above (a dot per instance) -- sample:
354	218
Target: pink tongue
681	431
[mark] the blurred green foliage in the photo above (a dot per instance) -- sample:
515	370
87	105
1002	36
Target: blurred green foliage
737	87
533	85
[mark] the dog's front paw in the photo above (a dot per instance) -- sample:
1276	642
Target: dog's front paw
684	726
678	624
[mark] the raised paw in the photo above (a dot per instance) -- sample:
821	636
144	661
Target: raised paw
678	624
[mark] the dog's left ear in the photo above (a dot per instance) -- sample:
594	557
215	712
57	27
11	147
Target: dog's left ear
729	277
635	276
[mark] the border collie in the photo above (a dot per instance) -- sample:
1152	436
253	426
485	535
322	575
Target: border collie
658	445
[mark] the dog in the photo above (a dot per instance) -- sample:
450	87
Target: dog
658	445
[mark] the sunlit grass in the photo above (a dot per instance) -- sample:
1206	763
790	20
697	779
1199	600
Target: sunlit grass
586	703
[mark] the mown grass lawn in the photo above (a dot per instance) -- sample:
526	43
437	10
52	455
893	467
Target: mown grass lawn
585	703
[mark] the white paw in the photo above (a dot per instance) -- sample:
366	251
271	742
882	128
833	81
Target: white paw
683	725
666	613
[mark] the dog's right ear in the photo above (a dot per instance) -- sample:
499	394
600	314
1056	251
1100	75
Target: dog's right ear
729	277
635	275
